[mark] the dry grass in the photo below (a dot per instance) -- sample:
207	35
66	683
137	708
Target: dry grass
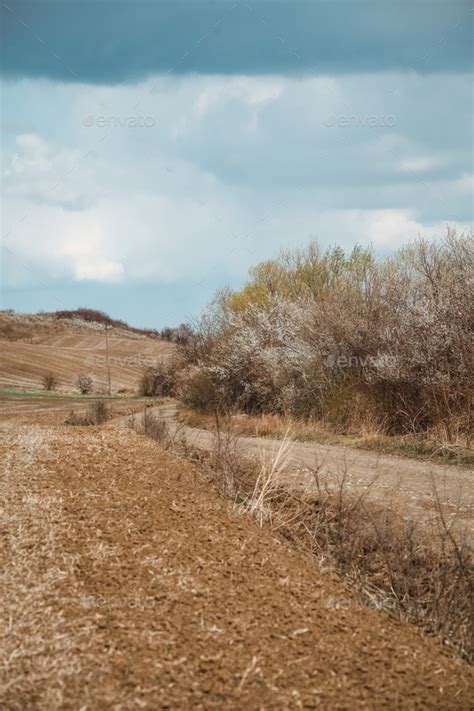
423	447
23	663
395	565
154	425
266	489
97	413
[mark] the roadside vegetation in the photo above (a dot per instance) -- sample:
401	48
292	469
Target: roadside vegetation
414	446
160	380
97	413
418	573
378	350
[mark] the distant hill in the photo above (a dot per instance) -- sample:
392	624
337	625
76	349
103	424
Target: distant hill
67	343
95	316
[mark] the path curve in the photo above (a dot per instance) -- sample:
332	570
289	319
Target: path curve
409	485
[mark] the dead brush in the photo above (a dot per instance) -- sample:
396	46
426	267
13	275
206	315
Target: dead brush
155	426
97	413
260	503
226	462
50	382
426	578
421	575
245	479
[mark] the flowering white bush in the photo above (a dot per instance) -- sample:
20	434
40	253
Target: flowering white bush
335	336
260	355
85	383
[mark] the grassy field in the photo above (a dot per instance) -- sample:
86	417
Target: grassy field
55	395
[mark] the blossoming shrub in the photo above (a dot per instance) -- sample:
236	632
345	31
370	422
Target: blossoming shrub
347	338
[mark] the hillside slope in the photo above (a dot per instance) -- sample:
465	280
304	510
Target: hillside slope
32	346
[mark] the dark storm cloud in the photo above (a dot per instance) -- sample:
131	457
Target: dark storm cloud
111	42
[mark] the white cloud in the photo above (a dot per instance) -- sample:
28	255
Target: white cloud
84	248
253	91
231	170
95	270
39	170
417	165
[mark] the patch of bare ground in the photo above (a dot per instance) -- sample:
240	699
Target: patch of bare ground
419	570
128	582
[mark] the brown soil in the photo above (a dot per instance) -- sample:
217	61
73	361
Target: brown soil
129	583
54	410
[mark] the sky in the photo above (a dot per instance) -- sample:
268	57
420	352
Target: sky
152	152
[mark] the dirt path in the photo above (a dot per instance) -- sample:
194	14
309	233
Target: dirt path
405	484
408	485
129	583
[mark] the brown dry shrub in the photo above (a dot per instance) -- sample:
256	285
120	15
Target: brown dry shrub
160	380
154	425
49	382
97	413
199	392
85	383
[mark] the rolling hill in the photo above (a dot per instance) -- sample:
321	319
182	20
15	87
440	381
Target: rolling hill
32	346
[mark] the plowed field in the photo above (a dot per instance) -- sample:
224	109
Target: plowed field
68	349
129	583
